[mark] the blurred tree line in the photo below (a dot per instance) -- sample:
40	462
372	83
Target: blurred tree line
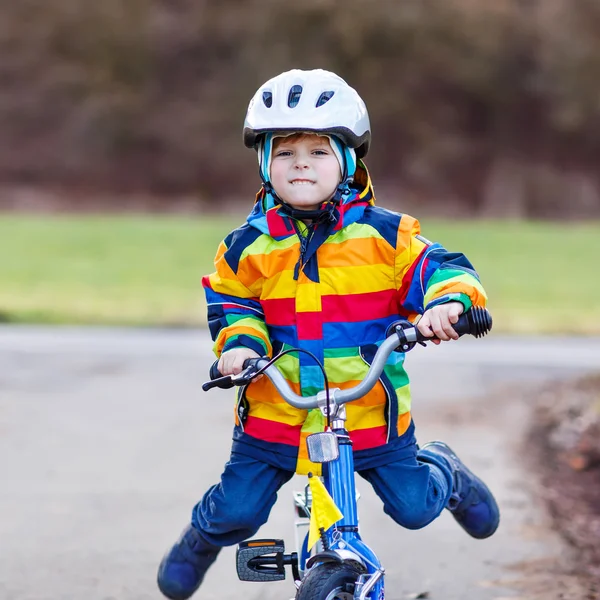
484	107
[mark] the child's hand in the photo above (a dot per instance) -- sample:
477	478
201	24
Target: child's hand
439	319
232	361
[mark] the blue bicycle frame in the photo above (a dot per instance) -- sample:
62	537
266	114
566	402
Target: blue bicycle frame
344	535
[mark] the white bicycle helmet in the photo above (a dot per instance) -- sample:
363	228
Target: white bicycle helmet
316	101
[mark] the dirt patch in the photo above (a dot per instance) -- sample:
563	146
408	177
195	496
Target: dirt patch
547	579
561	446
565	447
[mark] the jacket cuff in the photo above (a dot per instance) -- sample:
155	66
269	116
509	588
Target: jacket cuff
457	297
245	341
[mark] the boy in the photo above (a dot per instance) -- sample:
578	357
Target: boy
318	266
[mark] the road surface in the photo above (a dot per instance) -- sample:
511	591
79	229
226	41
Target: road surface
107	441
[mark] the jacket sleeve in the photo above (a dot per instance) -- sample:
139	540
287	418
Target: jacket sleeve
235	315
427	274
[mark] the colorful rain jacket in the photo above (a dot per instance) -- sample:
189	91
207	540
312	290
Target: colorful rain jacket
332	289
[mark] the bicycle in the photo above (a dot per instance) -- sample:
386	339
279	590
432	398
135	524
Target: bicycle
342	567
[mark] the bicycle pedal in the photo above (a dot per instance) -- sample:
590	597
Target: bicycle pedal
261	560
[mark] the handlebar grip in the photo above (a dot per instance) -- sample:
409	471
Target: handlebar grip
477	322
214	372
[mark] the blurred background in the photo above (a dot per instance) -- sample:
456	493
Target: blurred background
480	111
477	108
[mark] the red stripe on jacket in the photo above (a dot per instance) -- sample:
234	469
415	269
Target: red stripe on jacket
272	431
359	307
280	311
362	439
309	325
347	308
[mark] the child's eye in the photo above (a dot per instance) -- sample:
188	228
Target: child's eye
283	153
321	152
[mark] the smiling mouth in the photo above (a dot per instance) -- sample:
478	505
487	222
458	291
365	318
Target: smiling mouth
302	182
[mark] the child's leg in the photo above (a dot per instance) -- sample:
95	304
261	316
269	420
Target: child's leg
229	512
414	493
234	509
415	490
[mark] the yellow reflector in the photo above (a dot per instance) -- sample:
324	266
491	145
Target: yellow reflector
263	543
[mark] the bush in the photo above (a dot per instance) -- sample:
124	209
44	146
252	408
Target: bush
463	94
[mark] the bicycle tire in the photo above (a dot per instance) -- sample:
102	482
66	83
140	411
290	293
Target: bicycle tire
329	581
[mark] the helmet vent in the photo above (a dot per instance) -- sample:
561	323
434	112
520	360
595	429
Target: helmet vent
294	95
323	98
267	99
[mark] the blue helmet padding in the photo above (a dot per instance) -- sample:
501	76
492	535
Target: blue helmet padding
347	155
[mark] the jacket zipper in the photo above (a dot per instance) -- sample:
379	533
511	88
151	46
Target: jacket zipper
304	241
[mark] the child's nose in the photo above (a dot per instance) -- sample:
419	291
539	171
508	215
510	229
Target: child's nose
301	163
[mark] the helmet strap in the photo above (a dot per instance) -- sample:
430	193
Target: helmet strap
324	214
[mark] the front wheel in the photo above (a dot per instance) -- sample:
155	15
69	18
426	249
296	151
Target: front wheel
329	581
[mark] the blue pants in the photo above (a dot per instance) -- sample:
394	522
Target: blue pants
414	493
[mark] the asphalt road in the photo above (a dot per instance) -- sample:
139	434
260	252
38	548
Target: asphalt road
107	441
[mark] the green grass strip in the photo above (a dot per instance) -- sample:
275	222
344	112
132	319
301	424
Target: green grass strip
146	270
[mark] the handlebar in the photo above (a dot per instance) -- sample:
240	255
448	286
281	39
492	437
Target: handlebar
401	336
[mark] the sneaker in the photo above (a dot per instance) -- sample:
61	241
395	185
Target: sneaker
182	569
471	503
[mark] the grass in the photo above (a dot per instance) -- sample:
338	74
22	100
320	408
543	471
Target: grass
146	270
106	270
540	277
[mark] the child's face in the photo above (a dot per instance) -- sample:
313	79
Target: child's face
304	170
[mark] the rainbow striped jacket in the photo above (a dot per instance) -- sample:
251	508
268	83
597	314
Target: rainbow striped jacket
332	290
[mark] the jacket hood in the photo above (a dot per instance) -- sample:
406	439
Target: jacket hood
266	217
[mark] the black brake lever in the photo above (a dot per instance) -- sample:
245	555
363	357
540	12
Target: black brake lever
226	382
